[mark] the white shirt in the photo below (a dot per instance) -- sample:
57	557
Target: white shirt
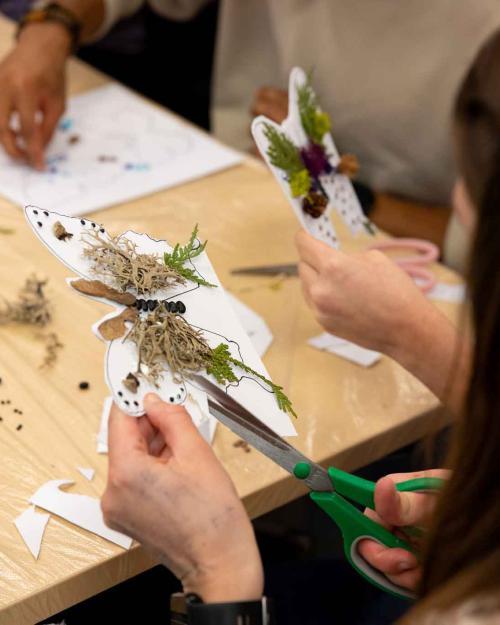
386	70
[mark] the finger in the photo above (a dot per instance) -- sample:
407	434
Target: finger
147	430
31	132
388	561
7	135
400	509
315	253
52	111
308	277
173	421
443	474
158	445
124	436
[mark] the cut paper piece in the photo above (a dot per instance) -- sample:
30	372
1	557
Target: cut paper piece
206	309
345	349
253	324
31	525
87	473
80	510
102	435
312	175
127	148
454	293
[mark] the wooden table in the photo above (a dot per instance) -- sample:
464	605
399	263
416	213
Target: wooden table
347	415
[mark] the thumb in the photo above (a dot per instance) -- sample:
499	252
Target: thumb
175	424
400	509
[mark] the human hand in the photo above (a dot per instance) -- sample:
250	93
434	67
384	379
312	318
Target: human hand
33	86
363	297
395	510
271	102
167	489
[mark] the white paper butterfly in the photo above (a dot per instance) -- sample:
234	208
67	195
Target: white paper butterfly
206	309
337	187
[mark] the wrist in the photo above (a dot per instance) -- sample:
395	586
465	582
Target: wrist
51	37
244	584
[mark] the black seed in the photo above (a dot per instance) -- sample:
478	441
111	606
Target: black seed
127	403
182	389
181	307
35	212
178	396
7	401
93	225
171	399
138	304
39	224
46	213
1	419
173	307
136	403
120	394
83	386
82	221
152	304
19	427
101	230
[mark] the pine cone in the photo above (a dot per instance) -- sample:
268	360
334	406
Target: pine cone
314	204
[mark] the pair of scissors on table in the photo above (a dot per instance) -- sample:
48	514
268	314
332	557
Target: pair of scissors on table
331	489
414	265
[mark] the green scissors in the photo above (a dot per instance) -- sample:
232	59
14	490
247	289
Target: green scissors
330	489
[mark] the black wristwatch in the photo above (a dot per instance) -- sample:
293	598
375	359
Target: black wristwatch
43	11
190	610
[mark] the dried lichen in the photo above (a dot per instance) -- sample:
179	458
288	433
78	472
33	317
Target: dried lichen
115	328
31	307
117	259
52	345
164	338
96	288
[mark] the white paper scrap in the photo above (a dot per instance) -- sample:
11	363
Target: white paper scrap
253	324
447	292
81	510
345	349
87	473
112	146
102	435
31	525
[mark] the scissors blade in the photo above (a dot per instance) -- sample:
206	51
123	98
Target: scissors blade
267	270
245	425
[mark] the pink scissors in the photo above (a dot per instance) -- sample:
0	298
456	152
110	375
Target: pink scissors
414	265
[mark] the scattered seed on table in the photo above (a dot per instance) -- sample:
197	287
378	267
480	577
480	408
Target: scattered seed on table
83	386
19	427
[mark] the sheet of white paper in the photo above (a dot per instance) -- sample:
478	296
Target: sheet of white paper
207	309
81	510
112	146
447	292
31	525
87	472
253	324
345	349
337	187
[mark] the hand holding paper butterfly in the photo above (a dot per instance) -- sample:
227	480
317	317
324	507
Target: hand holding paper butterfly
167	489
366	298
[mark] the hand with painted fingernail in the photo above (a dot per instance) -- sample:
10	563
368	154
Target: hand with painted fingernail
167	489
396	511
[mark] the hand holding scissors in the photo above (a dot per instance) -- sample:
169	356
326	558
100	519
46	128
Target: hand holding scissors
332	490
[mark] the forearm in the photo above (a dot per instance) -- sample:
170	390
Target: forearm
435	352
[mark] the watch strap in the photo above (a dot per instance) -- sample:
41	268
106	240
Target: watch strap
195	612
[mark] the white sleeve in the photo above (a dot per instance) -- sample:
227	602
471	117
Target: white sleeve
178	9
114	11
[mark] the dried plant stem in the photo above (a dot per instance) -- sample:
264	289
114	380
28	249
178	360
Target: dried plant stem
117	259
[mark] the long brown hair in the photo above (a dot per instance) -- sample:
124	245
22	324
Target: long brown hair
461	560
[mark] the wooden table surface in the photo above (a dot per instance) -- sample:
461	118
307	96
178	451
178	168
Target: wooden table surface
348	415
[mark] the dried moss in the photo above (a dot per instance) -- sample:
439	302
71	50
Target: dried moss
31	307
117	259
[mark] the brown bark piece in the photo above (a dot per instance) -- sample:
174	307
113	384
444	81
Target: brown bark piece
60	232
131	383
115	328
97	288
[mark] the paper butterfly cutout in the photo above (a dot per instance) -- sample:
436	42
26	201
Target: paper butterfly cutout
319	159
206	309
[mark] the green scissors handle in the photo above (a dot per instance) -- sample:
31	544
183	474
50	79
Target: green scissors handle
356	526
